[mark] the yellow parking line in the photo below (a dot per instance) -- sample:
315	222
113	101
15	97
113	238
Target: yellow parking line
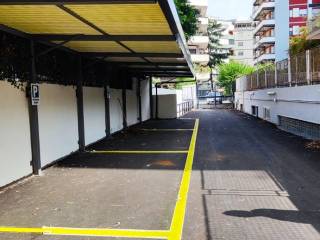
181	204
165	130
138	152
125	233
90	232
176	228
21	230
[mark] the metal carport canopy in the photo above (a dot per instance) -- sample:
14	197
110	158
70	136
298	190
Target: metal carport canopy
138	34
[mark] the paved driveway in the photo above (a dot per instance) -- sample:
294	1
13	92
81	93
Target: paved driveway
251	181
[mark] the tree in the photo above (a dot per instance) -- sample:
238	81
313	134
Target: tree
301	42
229	72
188	16
216	52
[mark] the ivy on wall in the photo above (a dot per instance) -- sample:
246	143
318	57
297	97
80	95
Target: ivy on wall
57	67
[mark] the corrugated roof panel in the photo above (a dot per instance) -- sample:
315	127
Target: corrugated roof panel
125	19
44	19
124	59
153	47
166	60
94	46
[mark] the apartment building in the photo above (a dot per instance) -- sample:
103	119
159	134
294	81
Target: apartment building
271	34
276	21
198	44
301	11
227	41
243	45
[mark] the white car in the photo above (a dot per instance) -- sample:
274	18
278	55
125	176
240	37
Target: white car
211	95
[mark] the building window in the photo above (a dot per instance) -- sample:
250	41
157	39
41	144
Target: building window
231	41
240	44
240	53
193	51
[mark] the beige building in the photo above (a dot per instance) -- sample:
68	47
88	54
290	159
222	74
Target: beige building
198	44
244	44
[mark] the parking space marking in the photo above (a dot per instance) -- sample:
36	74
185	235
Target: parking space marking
165	130
177	222
90	232
138	152
20	230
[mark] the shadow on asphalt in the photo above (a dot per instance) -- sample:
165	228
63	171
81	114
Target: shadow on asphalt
281	215
244	156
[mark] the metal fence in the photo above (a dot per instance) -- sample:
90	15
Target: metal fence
184	108
298	70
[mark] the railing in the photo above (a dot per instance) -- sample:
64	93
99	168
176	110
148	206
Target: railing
184	108
298	70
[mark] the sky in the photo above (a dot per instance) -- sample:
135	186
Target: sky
230	9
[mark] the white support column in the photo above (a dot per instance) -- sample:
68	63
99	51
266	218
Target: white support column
308	67
275	75
265	78
289	72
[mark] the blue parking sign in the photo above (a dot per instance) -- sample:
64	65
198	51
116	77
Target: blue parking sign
35	94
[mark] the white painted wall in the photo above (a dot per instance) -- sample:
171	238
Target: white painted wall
145	100
94	114
15	145
302	103
167	106
58	124
116	121
132	105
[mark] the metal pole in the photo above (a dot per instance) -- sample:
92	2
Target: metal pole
33	118
79	93
211	79
151	98
139	99
107	107
124	99
215	95
157	107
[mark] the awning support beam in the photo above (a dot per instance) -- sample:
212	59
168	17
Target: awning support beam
114	38
141	55
69	2
33	118
79	94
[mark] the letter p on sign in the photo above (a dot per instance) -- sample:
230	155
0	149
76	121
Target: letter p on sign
35	94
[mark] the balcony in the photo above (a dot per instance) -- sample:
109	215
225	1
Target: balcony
201	5
314	28
199	41
200	58
265	41
265	6
265	57
264	25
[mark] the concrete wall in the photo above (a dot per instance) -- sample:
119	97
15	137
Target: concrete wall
15	147
145	100
302	103
58	124
94	114
167	106
132	105
116	121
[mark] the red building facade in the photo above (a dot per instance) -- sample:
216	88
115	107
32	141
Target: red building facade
300	13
